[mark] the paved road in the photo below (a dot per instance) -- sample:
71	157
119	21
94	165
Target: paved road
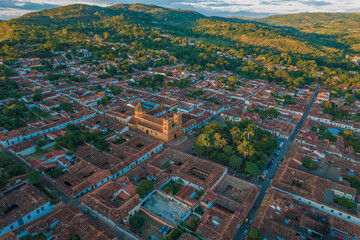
266	183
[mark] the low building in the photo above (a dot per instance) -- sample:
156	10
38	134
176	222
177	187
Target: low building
21	205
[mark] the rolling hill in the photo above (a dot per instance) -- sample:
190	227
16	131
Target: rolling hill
343	26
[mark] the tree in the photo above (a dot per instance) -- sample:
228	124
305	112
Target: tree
34	177
15	170
37	96
249	131
246	148
349	98
193	223
252	168
56	173
213	127
309	164
222	158
345	202
219	141
145	188
235	133
136	221
235	162
254	234
354	182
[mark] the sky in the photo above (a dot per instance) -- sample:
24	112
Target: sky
246	8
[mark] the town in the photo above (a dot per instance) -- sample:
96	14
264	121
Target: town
115	149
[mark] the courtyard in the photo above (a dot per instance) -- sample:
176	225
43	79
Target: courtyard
41	154
166	209
151	227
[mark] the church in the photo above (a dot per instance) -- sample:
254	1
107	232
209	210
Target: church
164	129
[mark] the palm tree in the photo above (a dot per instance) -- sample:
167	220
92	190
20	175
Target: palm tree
235	133
249	131
246	148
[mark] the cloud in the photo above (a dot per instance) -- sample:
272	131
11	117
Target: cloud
13	8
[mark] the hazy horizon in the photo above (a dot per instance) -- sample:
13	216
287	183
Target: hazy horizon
256	8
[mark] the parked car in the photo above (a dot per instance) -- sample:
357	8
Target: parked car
94	216
85	210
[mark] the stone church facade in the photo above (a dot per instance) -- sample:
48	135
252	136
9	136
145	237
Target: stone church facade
164	129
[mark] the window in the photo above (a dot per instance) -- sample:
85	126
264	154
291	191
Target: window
42	208
38	211
29	216
11	227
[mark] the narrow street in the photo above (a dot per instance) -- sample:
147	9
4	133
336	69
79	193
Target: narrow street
266	183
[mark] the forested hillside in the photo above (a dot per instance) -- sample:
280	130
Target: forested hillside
345	27
285	55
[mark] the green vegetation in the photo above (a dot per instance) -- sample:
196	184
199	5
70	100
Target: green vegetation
196	93
9	169
345	202
351	140
192	223
52	76
8	88
354	182
155	82
77	136
39	236
336	112
16	115
199	210
76	237
254	234
284	99
173	187
145	187
175	234
65	106
241	146
104	101
136	221
41	153
182	83
325	25
309	164
199	193
35	178
269	113
56	173
151	28
324	133
37	97
119	140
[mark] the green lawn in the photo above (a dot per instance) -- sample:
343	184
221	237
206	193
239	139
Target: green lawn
41	154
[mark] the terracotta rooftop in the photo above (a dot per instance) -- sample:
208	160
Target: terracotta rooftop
114	200
68	222
281	216
19	203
